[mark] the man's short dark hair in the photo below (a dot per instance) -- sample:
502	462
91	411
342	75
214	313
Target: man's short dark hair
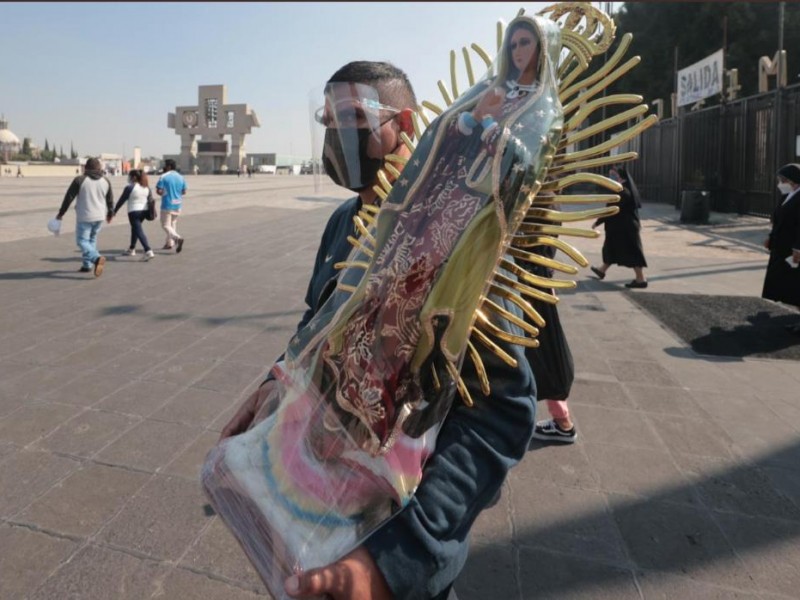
169	165
93	164
392	83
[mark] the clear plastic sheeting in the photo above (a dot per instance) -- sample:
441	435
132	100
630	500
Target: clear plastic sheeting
366	385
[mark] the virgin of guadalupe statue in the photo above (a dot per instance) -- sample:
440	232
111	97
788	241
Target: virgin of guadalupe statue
368	382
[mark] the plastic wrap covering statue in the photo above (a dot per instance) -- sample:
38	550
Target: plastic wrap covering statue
366	385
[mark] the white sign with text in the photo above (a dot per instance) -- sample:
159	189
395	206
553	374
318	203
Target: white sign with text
700	80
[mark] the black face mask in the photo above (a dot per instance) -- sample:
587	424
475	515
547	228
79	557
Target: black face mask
344	156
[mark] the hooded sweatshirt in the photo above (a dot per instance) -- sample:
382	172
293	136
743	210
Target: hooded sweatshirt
95	198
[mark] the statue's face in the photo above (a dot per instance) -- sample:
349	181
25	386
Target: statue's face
524	50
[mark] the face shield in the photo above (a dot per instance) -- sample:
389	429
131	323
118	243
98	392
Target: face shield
346	123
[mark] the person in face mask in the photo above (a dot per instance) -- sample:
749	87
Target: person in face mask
782	280
623	242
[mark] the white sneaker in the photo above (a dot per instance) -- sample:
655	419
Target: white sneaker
148	255
129	252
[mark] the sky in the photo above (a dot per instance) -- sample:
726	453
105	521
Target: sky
104	76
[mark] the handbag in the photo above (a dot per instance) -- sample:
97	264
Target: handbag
151	208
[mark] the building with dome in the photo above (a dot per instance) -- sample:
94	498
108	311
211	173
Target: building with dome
9	143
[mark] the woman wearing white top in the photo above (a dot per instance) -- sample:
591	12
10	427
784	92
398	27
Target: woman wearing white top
137	193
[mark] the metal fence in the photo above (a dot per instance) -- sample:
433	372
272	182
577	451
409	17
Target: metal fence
732	151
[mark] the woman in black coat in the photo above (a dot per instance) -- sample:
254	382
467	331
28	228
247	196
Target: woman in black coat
782	280
623	242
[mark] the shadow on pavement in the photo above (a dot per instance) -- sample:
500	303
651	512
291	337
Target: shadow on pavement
736	528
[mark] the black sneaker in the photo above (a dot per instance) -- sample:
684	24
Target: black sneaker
636	284
179	246
550	431
85	270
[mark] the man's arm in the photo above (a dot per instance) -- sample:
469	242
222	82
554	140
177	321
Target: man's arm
72	193
123	198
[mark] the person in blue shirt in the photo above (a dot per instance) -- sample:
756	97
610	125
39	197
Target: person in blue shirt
418	553
171	187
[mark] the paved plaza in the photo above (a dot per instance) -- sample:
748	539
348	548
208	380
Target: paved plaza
684	482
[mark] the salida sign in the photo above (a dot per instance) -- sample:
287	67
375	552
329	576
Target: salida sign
700	80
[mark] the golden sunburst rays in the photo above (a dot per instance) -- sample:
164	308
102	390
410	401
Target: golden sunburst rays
586	33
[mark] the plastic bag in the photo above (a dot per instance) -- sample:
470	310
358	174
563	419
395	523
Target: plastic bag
54	226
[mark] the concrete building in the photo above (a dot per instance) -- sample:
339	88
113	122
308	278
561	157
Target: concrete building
9	142
212	120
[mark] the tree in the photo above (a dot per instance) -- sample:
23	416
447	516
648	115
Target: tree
26	146
72	153
46	145
696	29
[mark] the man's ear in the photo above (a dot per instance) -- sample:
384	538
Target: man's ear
406	122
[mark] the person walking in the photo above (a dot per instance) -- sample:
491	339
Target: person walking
137	194
95	202
171	187
782	279
623	242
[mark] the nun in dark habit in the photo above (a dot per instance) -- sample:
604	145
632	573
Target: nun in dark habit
782	281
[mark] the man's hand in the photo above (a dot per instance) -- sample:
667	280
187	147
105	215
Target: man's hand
796	256
766	243
109	218
243	418
59	217
355	577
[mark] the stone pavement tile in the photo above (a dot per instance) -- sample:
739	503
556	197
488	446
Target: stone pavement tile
149	445
34	420
560	465
194	406
188	463
7	449
727	404
230	377
213	349
26	474
258	352
87	433
629	349
140	398
745	490
46	352
134	363
93	355
769	550
170	343
34	556
764	437
569	520
664	400
679	539
495	524
88	389
784	405
597	393
764	376
701	374
100	574
10	368
652	474
161	520
607	425
179	371
783	480
690	435
641	371
186	585
83	502
218	553
38	383
659	585
489	572
594	364
546	574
